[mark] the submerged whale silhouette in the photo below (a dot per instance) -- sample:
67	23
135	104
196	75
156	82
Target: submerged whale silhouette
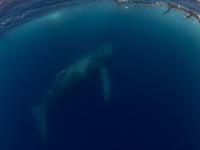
67	79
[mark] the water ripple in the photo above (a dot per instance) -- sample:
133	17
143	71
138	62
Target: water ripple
16	12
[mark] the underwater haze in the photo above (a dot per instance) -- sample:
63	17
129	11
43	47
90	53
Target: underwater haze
154	72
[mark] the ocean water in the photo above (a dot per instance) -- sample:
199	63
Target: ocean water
154	74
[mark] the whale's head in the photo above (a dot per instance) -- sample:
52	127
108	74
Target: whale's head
105	51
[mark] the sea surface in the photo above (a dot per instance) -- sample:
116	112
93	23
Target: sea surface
154	72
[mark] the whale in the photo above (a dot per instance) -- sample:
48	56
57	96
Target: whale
69	78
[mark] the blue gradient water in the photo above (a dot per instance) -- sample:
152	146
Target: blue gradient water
154	71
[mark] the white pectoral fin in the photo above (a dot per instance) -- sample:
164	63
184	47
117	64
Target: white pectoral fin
40	121
106	85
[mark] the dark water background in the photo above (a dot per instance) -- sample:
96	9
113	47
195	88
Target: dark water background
154	72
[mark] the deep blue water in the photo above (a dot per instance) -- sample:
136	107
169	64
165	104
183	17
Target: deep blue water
154	71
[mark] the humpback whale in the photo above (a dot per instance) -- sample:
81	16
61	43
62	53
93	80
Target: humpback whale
69	78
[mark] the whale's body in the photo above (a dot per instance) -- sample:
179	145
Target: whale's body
67	79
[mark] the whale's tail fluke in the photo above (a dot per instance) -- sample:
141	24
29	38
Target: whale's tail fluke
40	121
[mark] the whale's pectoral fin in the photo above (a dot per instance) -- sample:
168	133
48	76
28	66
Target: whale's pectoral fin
106	85
61	74
40	121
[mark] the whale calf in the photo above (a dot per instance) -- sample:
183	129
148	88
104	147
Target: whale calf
67	79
